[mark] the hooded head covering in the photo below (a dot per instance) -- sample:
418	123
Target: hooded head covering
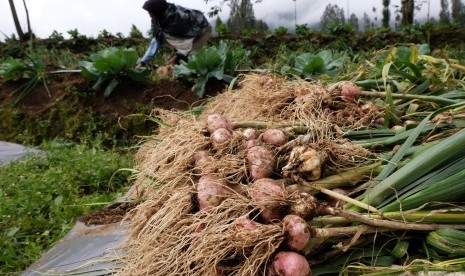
156	7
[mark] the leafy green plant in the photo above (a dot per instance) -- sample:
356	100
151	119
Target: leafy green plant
400	64
309	64
13	69
221	29
108	65
105	34
413	29
302	29
32	69
218	62
280	31
249	32
336	28
135	32
42	196
56	37
74	33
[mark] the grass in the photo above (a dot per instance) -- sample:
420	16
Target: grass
43	196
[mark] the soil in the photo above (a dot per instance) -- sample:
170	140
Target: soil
165	93
71	108
111	214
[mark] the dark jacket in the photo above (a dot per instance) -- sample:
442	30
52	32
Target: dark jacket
181	22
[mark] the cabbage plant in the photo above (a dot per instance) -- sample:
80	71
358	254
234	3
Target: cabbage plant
219	62
308	64
109	65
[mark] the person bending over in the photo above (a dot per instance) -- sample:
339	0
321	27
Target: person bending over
184	30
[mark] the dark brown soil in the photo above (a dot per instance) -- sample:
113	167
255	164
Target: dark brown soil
111	214
71	109
167	94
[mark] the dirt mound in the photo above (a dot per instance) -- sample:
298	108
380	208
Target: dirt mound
110	214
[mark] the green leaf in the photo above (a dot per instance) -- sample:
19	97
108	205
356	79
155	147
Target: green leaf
138	74
400	250
326	55
316	65
446	151
403	53
448	189
110	87
88	71
199	87
385	73
423	49
285	69
14	69
302	61
308	64
218	62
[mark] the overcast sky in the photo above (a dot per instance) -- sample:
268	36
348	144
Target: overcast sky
90	17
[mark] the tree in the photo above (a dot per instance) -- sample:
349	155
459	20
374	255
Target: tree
242	18
216	9
22	36
332	14
261	26
458	12
444	14
218	21
375	23
366	22
407	10
353	20
386	13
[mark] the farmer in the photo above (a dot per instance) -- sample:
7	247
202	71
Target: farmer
184	30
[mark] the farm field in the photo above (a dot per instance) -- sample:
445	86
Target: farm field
324	153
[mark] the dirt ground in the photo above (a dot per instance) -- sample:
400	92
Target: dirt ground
165	93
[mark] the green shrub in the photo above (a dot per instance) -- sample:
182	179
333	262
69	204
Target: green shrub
135	32
56	37
302	29
281	30
336	28
221	29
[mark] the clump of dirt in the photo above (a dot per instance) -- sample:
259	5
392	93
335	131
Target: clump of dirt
111	214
